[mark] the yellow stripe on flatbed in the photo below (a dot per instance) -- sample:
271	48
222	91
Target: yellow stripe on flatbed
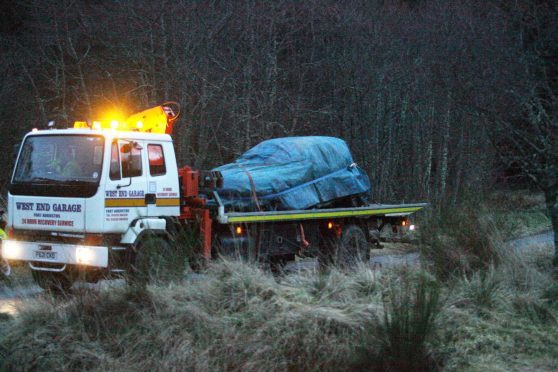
402	210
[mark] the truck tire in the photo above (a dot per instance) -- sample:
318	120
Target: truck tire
55	282
277	263
154	259
345	252
5	268
353	248
326	252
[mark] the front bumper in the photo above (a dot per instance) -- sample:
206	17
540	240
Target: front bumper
55	253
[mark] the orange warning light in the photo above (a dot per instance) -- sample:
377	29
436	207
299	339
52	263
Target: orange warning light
238	230
330	225
158	119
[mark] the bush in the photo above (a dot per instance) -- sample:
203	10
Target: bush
398	340
459	242
483	288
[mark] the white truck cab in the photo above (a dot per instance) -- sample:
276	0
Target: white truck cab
77	194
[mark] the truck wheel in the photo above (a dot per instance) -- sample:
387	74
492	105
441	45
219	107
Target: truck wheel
153	259
54	282
5	268
353	247
326	252
277	263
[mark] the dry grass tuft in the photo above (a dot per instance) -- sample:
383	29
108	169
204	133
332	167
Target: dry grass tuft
398	339
460	242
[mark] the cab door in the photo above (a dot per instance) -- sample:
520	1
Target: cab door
162	179
126	186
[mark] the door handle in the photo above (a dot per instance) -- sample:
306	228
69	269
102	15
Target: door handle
150	199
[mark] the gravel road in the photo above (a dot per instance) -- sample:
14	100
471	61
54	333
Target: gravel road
520	244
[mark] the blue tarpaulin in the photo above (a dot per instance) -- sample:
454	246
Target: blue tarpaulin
292	173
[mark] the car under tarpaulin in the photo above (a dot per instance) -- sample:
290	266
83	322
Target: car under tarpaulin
292	173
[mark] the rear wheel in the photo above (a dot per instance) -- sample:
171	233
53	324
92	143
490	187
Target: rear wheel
353	248
56	282
277	263
346	251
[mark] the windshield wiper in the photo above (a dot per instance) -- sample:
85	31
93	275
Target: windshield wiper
44	179
75	182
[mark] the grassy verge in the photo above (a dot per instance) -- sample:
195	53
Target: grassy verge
517	213
471	304
238	317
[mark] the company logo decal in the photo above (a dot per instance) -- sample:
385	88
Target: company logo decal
48	214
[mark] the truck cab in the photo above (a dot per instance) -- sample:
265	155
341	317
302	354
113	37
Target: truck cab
77	196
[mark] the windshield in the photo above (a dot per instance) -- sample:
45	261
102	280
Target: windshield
60	159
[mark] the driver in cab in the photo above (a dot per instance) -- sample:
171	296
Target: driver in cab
70	168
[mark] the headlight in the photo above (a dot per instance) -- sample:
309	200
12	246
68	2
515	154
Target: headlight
85	255
11	250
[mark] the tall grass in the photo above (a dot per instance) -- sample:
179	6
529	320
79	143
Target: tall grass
501	318
461	241
235	317
499	311
161	259
482	288
397	340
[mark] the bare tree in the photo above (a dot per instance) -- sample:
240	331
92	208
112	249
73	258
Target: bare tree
526	136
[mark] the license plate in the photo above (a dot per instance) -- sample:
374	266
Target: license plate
45	255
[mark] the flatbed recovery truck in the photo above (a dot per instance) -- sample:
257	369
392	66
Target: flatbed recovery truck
84	201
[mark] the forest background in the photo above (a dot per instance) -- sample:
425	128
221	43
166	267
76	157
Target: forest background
437	99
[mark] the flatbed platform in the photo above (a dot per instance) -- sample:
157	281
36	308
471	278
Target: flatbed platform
387	210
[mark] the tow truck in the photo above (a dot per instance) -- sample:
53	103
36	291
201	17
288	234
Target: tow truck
83	202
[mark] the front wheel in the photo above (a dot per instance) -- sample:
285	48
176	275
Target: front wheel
155	259
5	268
56	282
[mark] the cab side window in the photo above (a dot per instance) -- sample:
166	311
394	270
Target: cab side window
130	157
114	172
157	165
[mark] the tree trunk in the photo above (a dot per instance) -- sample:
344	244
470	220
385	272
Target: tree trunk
445	153
550	195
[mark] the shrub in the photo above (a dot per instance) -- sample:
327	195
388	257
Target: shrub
460	241
532	307
398	340
483	288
